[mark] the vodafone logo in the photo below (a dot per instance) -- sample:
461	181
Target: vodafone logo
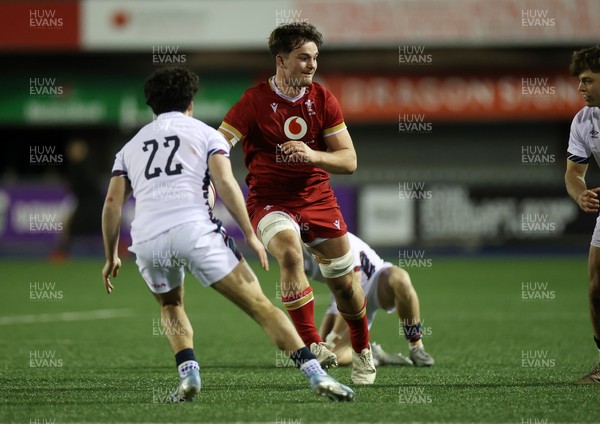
295	128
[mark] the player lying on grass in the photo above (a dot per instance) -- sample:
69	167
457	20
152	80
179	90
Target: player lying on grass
168	165
583	144
293	136
386	287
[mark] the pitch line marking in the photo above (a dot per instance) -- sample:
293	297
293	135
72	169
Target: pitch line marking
65	316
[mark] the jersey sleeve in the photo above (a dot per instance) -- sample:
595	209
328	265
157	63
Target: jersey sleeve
578	150
334	120
218	145
119	169
239	119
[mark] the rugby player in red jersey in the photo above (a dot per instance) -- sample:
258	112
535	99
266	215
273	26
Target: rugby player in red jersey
293	135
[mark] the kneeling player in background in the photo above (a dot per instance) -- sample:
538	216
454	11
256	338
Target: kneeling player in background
386	287
168	165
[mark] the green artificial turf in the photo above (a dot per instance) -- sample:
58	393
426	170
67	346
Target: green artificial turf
499	357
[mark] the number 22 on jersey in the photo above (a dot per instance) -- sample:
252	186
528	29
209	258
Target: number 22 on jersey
155	145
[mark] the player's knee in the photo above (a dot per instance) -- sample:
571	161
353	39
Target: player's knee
258	306
399	280
594	292
290	258
174	298
336	267
279	228
594	275
171	305
343	287
594	286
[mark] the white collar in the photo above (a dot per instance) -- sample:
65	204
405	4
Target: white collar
280	94
167	115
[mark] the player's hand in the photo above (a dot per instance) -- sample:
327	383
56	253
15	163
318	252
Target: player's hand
254	243
111	269
588	200
298	151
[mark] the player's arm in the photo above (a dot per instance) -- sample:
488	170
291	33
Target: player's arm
340	157
577	188
326	325
334	331
231	138
119	191
339	335
238	121
233	199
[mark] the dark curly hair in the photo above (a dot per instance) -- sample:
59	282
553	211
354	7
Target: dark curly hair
170	89
585	60
286	38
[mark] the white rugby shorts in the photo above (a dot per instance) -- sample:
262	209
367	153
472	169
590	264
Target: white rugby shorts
162	261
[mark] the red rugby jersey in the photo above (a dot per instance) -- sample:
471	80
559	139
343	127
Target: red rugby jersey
264	119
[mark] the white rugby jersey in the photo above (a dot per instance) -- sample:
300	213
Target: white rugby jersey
368	262
167	165
365	258
583	140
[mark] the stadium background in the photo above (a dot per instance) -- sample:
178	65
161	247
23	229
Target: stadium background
459	112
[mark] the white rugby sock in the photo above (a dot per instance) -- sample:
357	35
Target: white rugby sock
187	366
312	367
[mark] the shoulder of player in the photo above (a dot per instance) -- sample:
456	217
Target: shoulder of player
141	134
200	125
318	86
356	243
321	95
187	125
587	115
250	97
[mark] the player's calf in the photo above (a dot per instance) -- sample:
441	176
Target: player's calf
279	234
397	283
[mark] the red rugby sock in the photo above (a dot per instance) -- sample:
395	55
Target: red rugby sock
359	328
301	307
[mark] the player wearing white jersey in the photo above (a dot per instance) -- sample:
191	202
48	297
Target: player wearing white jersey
168	165
583	143
386	287
174	142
